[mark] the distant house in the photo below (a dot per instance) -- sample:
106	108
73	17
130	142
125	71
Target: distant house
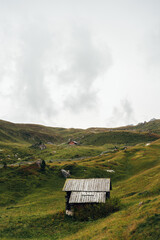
82	191
72	143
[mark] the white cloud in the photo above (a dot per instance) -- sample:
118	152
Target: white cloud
122	114
81	59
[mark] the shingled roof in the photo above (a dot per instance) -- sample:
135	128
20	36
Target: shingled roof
88	185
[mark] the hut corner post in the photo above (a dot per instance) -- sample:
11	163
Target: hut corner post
69	210
107	195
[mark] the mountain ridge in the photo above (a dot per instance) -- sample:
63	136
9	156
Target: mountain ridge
18	132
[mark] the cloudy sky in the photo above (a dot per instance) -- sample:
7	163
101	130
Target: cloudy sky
88	63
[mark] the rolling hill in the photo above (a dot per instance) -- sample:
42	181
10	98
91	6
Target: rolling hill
152	126
32	202
32	133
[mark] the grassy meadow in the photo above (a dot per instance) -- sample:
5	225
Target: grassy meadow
32	203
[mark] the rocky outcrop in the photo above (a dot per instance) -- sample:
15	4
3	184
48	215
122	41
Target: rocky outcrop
65	173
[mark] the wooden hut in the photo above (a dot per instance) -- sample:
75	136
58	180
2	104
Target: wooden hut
72	143
82	191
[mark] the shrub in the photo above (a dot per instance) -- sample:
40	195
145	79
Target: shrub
43	166
91	211
4	164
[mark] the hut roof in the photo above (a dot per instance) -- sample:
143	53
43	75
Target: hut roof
87	197
88	185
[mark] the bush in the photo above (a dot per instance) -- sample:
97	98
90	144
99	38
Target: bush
4	164
43	166
87	211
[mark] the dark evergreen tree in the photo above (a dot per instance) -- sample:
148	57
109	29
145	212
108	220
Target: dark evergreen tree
4	164
43	165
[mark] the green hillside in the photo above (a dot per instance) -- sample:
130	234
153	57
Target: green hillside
32	133
16	141
118	137
151	126
32	202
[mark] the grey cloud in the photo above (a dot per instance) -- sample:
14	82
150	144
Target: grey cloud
128	110
123	114
151	48
31	90
85	62
83	99
54	56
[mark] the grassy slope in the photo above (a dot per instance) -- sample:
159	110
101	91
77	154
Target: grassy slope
118	137
15	140
33	199
31	133
17	153
151	126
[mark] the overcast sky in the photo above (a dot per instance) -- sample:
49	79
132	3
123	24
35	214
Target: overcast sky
88	63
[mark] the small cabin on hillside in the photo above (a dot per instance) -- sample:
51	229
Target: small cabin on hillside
84	191
72	143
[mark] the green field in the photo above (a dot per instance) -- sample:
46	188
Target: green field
32	202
